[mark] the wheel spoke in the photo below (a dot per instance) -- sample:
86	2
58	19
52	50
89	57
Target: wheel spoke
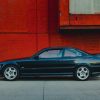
10	69
14	73
86	72
82	68
7	73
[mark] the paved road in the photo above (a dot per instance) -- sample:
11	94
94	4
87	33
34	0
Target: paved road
50	89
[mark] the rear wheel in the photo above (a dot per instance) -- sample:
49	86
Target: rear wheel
11	73
82	73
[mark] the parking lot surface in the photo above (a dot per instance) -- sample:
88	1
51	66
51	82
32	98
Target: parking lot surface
50	89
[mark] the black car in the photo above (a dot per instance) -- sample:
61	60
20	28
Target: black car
56	61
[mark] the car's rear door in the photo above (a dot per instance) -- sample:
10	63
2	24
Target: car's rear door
69	58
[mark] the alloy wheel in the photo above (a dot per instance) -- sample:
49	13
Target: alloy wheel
83	73
10	73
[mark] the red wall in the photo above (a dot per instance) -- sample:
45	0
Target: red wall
27	26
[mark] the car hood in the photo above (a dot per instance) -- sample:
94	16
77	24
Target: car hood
18	59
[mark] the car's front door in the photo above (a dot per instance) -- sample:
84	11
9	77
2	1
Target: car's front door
49	62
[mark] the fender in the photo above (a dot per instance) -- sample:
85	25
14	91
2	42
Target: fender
9	63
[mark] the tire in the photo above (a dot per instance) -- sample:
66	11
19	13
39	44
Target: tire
11	73
82	73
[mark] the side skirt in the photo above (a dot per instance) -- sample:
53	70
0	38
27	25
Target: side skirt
46	74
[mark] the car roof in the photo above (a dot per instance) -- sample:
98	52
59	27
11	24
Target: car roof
60	48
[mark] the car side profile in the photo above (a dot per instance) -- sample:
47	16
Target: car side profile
56	61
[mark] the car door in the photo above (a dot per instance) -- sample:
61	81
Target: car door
69	58
49	62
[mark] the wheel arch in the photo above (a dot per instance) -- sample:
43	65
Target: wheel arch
85	65
10	64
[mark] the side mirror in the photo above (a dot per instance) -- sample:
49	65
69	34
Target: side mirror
36	57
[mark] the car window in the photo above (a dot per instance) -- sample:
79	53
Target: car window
76	52
71	53
51	54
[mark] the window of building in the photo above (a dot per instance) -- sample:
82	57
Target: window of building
84	6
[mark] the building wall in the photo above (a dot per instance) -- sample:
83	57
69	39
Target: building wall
77	19
27	26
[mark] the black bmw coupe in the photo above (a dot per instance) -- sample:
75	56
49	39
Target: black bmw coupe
56	61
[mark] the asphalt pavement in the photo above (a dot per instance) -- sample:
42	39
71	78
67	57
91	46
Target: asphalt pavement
50	89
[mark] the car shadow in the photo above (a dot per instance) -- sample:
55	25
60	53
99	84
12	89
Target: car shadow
95	78
48	79
55	79
51	79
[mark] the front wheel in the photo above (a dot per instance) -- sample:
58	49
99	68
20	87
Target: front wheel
82	73
11	73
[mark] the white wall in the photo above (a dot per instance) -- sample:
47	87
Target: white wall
97	6
84	6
